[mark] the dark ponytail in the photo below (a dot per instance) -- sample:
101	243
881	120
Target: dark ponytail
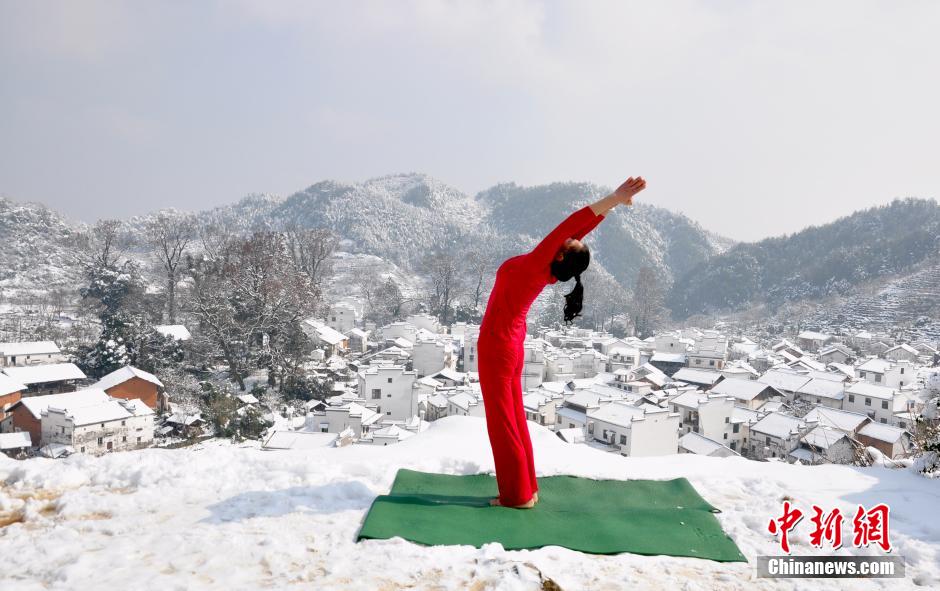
574	300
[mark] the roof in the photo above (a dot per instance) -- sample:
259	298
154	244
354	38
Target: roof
823	388
534	400
177	331
697	376
875	365
41	374
813	336
783	380
325	333
575	435
247	399
463	400
668	357
298	440
119	376
823	437
102	412
392	432
740	388
15	440
777	424
882	432
8	385
701	445
690	399
29	348
741	414
903	347
37	404
834	417
870	390
617	413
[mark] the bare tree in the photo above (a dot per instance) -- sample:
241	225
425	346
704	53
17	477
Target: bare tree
647	311
169	236
311	250
447	282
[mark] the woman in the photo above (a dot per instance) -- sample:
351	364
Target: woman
519	280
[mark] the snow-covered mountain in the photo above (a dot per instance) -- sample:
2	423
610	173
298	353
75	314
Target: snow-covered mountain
232	517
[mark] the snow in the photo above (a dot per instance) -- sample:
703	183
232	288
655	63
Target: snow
41	374
15	440
224	516
36	405
177	331
8	385
29	348
119	376
882	432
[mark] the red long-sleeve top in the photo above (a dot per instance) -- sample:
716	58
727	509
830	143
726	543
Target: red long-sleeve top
520	279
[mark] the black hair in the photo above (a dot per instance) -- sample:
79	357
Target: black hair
572	264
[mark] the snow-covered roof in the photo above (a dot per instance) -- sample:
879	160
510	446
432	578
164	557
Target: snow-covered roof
450	374
823	437
102	412
463	400
392	432
119	376
823	388
740	388
845	420
882	432
813	336
784	380
690	399
870	390
571	413
15	440
903	347
668	357
875	365
42	374
69	400
177	331
8	385
697	376
777	424
571	435
533	400
358	332
741	414
247	399
9	349
403	343
298	440
325	333
616	413
699	444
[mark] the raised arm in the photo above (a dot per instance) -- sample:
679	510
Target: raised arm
578	224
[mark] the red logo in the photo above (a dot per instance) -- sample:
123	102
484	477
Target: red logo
869	527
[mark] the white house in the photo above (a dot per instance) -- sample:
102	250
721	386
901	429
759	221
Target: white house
400	329
465	404
821	391
533	369
705	413
470	353
342	317
875	401
112	425
812	340
834	353
635	432
29	353
698	377
321	335
741	420
428	322
391	389
430	355
883	372
351	415
539	408
893	442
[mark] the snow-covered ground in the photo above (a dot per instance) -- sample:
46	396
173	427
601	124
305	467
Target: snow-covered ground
223	516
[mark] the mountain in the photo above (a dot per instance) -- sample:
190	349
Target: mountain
225	516
869	246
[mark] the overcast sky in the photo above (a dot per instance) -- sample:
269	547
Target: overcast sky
753	118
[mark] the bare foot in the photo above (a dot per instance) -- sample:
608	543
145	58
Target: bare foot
535	496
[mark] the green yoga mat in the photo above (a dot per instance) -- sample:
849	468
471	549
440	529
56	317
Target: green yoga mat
597	516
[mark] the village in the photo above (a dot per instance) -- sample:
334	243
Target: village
811	398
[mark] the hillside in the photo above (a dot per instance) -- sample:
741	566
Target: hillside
223	516
821	261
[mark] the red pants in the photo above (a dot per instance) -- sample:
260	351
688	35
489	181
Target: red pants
500	368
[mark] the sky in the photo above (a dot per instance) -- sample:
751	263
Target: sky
752	118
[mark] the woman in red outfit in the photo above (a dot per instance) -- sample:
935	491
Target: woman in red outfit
560	256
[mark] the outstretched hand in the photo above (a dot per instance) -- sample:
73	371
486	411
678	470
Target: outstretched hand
629	188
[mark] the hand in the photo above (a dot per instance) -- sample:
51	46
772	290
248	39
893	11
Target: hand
629	188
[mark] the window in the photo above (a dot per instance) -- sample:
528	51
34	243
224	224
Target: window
124	439
727	419
388	395
868	402
877	377
83	449
100	440
861	374
623	440
591	428
123	423
768	440
735	428
884	420
571	425
698	362
711	362
388	412
389	380
726	435
884	404
376	393
851	397
102	425
902	371
138	440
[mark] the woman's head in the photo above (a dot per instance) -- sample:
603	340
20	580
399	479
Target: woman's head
572	259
